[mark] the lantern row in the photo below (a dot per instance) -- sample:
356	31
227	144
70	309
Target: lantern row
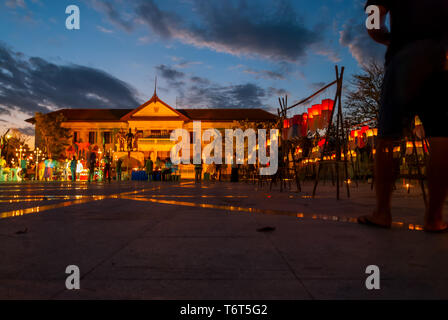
316	118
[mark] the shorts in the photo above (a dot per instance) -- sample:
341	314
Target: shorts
415	83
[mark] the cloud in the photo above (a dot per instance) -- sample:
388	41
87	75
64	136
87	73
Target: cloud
236	28
104	30
199	92
264	74
34	84
15	3
171	75
362	47
114	14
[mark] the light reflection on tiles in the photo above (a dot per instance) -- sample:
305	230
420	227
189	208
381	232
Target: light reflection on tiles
136	195
195	196
20	212
323	217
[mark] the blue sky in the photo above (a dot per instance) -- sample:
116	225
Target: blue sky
206	54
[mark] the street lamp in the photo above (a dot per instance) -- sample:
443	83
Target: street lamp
38	153
20	150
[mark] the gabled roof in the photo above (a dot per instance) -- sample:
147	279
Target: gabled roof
154	99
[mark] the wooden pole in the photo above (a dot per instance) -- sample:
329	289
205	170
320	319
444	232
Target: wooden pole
329	126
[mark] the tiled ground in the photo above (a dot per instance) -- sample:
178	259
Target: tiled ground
188	241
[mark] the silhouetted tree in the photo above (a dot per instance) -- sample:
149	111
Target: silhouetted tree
53	138
363	100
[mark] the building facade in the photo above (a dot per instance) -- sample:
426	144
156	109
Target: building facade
145	131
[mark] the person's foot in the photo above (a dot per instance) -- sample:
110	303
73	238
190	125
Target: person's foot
376	220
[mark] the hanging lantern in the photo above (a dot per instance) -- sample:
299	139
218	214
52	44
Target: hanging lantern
317	112
327	104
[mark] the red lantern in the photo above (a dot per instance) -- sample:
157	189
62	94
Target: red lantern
327	104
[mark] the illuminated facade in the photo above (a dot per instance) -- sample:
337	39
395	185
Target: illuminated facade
151	124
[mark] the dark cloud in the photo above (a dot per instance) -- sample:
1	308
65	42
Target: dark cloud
199	92
265	74
354	36
235	27
169	73
215	96
34	84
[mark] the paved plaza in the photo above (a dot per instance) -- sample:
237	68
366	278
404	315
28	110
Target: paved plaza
212	241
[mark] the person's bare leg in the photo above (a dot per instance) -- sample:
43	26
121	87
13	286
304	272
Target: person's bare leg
437	184
384	181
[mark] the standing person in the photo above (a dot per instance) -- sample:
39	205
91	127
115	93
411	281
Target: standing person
218	171
92	163
234	176
118	169
415	84
168	170
73	168
198	173
149	166
79	169
107	169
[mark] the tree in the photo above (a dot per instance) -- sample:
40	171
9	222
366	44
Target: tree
363	100
53	138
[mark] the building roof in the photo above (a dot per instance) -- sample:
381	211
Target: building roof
91	115
227	114
113	115
123	115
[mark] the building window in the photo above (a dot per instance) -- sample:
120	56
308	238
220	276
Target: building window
107	137
92	137
75	136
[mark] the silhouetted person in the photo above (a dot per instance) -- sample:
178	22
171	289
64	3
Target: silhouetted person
415	83
198	173
107	168
92	163
73	164
149	166
218	168
118	169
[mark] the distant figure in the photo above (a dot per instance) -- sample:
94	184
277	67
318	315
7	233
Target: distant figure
107	168
166	173
158	164
118	169
92	164
234	176
415	83
218	168
149	166
79	169
198	173
73	168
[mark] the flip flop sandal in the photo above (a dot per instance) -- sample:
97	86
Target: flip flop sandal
364	220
